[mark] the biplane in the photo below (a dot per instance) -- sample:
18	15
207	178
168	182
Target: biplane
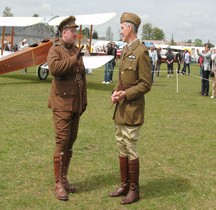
36	54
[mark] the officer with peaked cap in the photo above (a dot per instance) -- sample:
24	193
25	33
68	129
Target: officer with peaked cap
129	96
68	100
132	18
67	23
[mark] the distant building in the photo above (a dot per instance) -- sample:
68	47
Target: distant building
165	42
33	34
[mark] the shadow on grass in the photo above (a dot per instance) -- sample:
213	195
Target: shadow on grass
165	187
97	182
100	86
154	188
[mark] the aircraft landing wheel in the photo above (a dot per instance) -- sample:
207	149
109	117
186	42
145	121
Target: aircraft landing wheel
42	72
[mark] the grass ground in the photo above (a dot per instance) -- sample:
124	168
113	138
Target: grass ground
177	147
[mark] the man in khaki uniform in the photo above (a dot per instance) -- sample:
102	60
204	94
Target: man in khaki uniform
128	95
68	100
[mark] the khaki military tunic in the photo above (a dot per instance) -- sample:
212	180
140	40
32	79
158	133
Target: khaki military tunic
135	79
68	90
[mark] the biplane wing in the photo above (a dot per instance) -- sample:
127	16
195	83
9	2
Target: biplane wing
91	19
37	54
90	62
20	21
94	62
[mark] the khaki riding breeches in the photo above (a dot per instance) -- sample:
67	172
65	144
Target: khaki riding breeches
66	125
127	138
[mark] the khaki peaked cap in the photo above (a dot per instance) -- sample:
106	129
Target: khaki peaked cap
67	23
130	17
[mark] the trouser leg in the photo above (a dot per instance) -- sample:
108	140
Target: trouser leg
127	138
188	69
66	128
74	125
153	70
205	80
214	88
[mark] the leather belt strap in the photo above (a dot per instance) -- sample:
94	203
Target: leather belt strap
75	77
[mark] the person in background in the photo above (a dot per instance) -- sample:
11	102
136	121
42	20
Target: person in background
183	61
114	53
178	57
187	58
68	101
24	45
108	65
169	60
154	58
213	73
200	61
206	54
87	53
129	96
158	61
15	48
7	46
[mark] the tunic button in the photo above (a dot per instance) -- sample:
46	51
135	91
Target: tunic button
122	72
64	94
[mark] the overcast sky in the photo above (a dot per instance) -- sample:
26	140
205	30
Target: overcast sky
184	19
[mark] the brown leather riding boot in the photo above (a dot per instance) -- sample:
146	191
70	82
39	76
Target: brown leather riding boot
69	188
60	191
133	194
124	173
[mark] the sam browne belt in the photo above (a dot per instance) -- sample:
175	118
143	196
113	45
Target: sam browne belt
75	77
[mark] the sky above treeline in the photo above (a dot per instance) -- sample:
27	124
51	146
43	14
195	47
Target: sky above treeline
184	20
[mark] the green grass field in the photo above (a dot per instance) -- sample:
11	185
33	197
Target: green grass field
177	147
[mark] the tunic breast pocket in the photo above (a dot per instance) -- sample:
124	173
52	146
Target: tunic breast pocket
130	73
64	89
65	97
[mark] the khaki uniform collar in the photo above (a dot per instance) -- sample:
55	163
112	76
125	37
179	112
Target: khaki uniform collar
128	49
130	45
66	45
